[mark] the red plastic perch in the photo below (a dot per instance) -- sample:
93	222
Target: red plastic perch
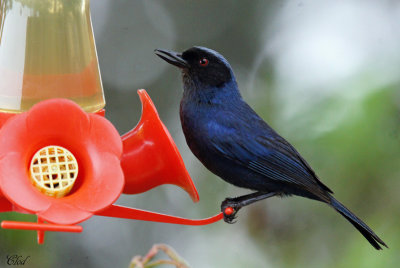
41	226
143	215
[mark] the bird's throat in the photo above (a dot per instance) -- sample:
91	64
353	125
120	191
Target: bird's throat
197	93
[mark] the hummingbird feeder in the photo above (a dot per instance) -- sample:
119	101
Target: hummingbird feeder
60	159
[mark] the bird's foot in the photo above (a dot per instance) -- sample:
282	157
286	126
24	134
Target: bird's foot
230	208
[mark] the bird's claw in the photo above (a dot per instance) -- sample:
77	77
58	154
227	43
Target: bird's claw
230	208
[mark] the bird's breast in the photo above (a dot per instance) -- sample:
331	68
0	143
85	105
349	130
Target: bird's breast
195	121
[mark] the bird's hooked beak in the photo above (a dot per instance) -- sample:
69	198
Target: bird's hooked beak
172	57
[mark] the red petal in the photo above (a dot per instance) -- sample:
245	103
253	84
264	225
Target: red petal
64	213
14	135
104	135
16	186
103	186
58	121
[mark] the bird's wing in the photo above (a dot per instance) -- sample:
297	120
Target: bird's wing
289	160
264	152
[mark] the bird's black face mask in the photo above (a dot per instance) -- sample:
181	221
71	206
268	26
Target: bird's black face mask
206	67
200	65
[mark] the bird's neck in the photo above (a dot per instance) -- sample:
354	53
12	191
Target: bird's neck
211	95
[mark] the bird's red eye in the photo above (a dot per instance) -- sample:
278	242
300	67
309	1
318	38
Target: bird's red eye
203	62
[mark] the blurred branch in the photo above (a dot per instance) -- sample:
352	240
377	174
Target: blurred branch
145	262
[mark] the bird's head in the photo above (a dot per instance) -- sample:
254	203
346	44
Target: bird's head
202	66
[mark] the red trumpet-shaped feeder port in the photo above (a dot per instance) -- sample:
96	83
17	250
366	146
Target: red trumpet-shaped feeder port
150	152
65	165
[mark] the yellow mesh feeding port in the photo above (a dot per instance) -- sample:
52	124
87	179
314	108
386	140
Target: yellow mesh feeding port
53	171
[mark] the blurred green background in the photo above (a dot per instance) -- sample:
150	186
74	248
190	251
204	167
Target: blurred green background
324	74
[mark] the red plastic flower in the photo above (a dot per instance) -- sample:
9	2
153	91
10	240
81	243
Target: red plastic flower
93	141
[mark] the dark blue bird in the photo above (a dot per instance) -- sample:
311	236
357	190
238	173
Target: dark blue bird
234	143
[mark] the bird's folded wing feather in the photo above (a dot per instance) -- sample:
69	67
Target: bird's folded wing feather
265	153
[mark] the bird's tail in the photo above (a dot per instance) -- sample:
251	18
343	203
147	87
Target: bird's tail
373	239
